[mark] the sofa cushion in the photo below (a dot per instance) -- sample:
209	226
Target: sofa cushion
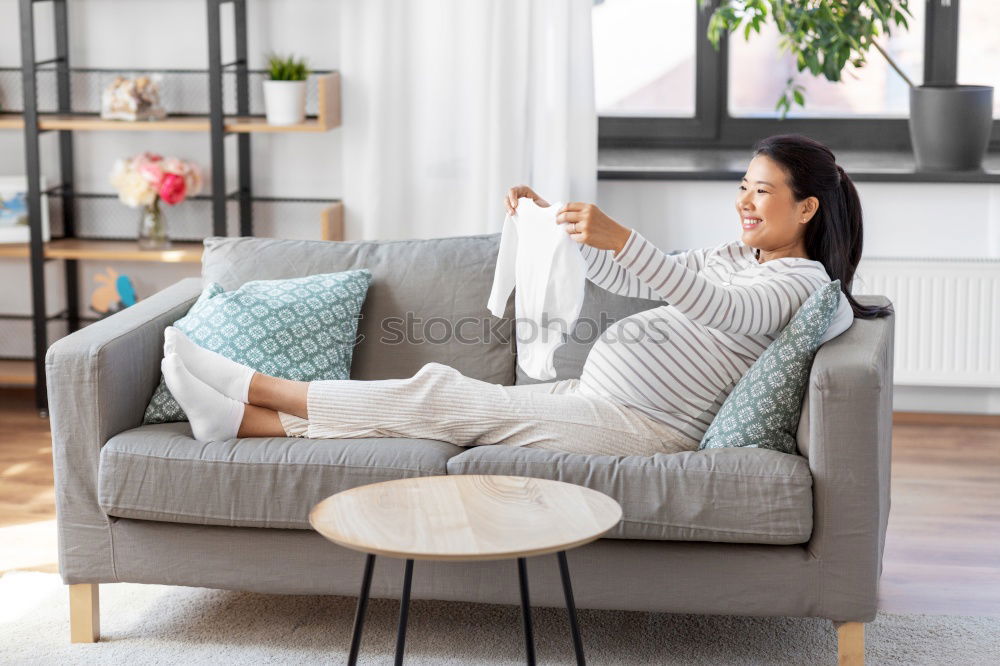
159	472
426	303
730	495
763	410
298	328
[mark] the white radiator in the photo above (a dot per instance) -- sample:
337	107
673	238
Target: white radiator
947	318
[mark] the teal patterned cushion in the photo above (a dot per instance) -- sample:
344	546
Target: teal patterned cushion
763	409
301	328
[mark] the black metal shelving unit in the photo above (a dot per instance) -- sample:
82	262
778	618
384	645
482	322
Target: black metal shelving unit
219	199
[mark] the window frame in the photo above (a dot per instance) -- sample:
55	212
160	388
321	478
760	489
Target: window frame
713	127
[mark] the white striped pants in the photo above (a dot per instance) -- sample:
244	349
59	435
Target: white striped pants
441	403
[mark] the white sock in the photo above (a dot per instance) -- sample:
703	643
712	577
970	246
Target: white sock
213	416
226	376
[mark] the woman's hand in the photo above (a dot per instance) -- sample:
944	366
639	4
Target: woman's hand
518	191
589	225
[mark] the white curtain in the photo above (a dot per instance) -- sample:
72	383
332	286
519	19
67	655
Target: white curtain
448	103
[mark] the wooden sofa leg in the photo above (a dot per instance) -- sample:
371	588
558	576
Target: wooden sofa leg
84	613
850	643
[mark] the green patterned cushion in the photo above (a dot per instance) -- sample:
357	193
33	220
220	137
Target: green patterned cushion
763	409
301	328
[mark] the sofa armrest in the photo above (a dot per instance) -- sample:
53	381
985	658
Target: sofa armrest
849	444
100	380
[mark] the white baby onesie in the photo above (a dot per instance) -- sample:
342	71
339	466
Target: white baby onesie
539	258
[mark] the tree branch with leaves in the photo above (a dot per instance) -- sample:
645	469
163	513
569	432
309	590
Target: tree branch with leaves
823	35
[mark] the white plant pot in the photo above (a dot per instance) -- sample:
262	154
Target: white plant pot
285	102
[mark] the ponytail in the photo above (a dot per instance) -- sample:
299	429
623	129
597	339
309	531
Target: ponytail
834	236
855	240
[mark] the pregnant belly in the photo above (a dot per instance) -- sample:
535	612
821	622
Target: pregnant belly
656	375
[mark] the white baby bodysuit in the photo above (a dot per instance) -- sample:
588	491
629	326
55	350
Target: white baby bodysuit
539	258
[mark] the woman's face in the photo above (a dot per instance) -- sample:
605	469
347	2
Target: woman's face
771	219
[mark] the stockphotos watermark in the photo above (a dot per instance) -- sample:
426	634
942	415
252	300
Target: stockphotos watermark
412	329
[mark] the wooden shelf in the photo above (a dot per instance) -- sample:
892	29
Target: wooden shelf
115	250
11	121
327	118
92	122
17	373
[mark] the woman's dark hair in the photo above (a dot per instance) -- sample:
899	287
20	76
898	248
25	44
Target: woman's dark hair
834	235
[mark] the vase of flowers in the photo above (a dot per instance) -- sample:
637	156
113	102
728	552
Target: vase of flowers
146	179
285	91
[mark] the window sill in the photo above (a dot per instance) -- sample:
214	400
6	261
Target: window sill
730	164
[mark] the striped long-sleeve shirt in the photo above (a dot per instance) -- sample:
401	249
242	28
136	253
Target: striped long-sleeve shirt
678	362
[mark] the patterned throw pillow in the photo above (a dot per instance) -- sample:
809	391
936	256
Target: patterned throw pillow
301	328
763	409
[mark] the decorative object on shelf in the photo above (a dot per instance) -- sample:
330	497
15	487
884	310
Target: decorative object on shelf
949	123
116	292
14	210
144	180
132	99
285	92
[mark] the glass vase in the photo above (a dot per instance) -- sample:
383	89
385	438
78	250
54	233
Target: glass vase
153	228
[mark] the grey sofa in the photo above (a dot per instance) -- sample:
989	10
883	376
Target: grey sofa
731	531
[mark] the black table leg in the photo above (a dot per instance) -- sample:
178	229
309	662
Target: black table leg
529	639
359	615
571	607
404	608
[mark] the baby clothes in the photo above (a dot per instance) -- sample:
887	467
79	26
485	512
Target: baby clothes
545	265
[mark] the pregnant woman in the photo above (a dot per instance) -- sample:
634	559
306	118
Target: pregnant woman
800	227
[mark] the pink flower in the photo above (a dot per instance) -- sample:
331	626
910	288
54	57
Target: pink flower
152	172
173	189
173	165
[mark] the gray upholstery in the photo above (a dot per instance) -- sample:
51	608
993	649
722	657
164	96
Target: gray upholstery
420	291
728	495
668	576
158	472
101	377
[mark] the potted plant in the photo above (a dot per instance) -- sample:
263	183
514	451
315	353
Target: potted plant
949	123
285	92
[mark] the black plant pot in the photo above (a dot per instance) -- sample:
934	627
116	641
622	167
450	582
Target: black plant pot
950	126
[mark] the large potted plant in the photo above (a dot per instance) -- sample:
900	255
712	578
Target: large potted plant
949	123
285	92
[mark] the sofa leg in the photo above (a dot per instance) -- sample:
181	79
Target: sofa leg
84	613
850	643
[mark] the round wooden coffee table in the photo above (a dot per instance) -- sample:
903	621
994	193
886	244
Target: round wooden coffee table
465	517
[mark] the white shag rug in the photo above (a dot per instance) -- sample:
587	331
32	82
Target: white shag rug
153	624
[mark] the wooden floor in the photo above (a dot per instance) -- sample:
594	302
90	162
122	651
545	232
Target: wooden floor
942	553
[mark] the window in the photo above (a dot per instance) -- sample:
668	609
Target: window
656	87
757	75
979	46
644	57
